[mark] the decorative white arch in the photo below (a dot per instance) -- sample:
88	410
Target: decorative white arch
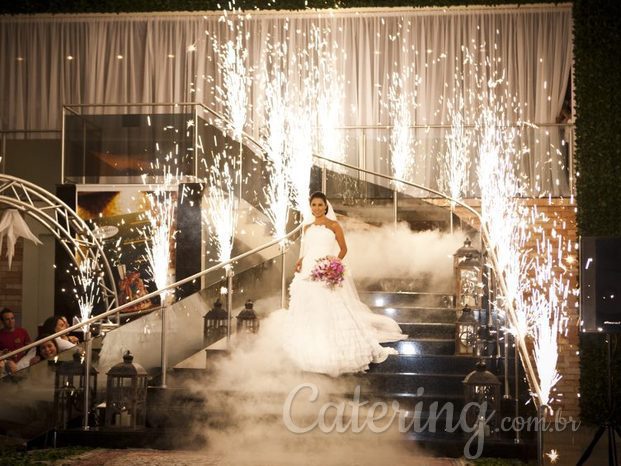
63	222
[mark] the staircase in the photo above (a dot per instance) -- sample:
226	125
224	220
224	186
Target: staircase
423	377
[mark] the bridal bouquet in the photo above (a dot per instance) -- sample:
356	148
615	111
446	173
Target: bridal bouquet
329	270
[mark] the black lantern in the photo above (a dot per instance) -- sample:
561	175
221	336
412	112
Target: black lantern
466	332
126	395
468	275
69	390
481	386
216	323
247	320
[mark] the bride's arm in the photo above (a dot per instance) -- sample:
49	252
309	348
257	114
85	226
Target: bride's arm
340	239
298	263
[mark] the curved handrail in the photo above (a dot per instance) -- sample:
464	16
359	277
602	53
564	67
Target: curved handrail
155	293
510	310
397	180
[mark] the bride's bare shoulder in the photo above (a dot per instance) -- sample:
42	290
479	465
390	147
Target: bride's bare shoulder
333	225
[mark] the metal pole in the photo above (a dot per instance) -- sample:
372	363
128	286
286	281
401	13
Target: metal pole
62	148
164	355
88	346
195	138
507	393
241	174
516	360
395	205
83	152
541	416
451	216
283	285
229	304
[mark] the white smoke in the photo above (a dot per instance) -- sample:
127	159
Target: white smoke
396	252
247	391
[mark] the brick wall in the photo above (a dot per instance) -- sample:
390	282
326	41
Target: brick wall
11	280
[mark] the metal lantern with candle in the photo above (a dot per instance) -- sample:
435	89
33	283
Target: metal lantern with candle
126	395
466	330
481	386
69	390
216	323
468	275
247	320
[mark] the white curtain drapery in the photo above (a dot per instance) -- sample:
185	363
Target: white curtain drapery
48	61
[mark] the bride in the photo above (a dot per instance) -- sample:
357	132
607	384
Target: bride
329	330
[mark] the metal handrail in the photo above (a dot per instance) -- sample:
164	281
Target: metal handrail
153	294
399	181
510	311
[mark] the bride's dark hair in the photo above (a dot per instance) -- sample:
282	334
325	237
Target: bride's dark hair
319	195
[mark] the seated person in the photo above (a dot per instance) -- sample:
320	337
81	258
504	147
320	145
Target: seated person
56	324
12	337
46	351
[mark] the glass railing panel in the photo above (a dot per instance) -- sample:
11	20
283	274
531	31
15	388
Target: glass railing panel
28	397
258	278
120	143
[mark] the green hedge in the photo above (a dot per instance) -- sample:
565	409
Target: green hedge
597	53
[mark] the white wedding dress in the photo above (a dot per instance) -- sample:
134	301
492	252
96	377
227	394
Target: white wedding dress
331	331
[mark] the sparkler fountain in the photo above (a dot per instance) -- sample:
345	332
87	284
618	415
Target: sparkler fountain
236	80
456	162
160	214
400	134
278	189
87	282
326	86
532	306
221	216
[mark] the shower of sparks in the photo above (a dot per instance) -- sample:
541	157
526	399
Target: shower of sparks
456	160
400	134
545	305
87	283
221	214
278	189
330	94
236	80
160	234
536	302
301	161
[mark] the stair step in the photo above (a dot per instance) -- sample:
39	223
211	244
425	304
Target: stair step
431	363
423	346
397	299
428	329
416	315
445	384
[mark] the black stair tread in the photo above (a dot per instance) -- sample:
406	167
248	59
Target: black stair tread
443	324
412	307
365	292
418	339
418	374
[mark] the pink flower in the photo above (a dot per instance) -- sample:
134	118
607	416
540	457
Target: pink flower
329	270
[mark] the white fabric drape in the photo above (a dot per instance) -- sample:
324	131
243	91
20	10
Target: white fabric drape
170	58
